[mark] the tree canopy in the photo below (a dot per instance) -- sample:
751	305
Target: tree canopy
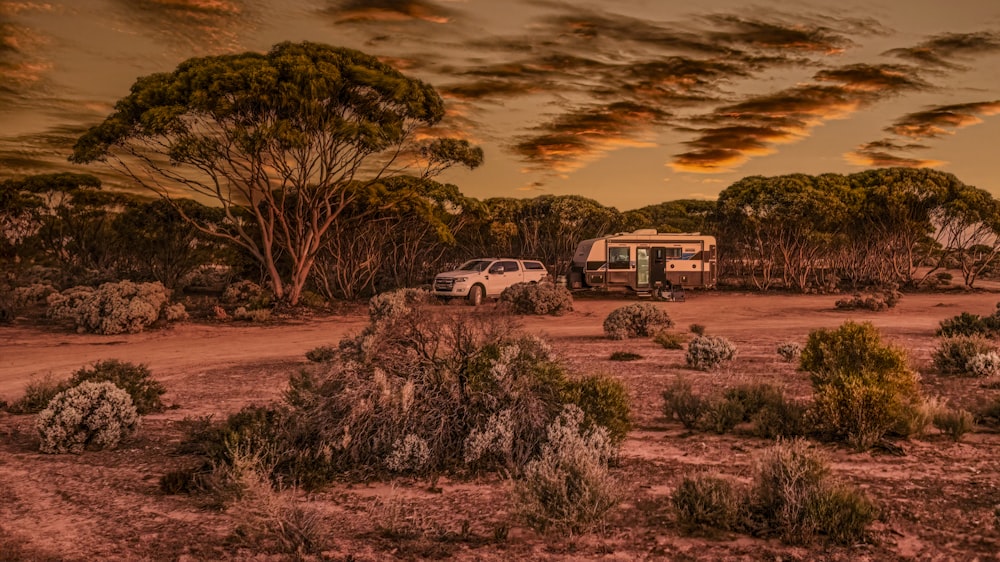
277	140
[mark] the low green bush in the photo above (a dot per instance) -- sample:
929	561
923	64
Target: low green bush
680	402
604	402
862	388
669	340
134	379
709	501
322	354
793	495
37	394
954	422
624	356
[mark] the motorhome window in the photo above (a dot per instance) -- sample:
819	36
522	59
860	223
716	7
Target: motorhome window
618	258
673	252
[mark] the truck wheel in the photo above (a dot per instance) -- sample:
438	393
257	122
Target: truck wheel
476	295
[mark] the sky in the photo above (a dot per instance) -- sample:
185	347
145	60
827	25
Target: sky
627	102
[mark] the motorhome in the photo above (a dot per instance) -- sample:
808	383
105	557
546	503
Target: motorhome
645	262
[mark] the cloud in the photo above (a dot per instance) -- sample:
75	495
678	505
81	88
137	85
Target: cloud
927	124
940	50
869	156
777	35
942	120
192	26
751	127
387	11
574	138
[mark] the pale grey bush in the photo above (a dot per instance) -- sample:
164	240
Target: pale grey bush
112	308
95	415
984	365
32	294
537	298
410	454
174	312
391	304
243	291
568	487
708	352
494	439
639	319
255	315
789	351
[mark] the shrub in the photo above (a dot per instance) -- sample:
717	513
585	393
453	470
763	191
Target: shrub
252	314
322	354
709	501
175	312
537	298
624	356
680	402
636	320
721	415
604	402
771	414
784	418
31	295
954	422
393	304
409	454
953	354
246	293
37	394
697	329
852	347
791	493
840	513
965	324
112	308
266	518
93	415
669	340
984	365
136	380
789	351
708	352
861	388
568	487
875	301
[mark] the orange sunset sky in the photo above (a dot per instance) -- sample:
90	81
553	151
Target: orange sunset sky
631	102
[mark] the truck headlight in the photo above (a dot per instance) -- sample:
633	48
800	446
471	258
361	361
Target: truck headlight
461	279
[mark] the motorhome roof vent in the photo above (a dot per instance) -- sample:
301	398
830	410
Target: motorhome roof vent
645	231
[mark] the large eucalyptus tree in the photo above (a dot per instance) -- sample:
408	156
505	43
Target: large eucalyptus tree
276	140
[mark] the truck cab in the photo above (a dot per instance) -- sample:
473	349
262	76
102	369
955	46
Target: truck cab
482	278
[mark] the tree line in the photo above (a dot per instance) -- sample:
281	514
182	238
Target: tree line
894	226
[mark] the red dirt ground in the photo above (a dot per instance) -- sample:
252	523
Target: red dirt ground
938	502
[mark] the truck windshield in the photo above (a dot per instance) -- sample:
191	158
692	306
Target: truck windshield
475	265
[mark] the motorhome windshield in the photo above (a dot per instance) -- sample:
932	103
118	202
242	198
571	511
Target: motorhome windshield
475	265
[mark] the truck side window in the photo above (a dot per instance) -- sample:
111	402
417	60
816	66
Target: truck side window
618	258
509	266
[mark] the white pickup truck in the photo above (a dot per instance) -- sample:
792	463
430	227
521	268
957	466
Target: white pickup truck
487	277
